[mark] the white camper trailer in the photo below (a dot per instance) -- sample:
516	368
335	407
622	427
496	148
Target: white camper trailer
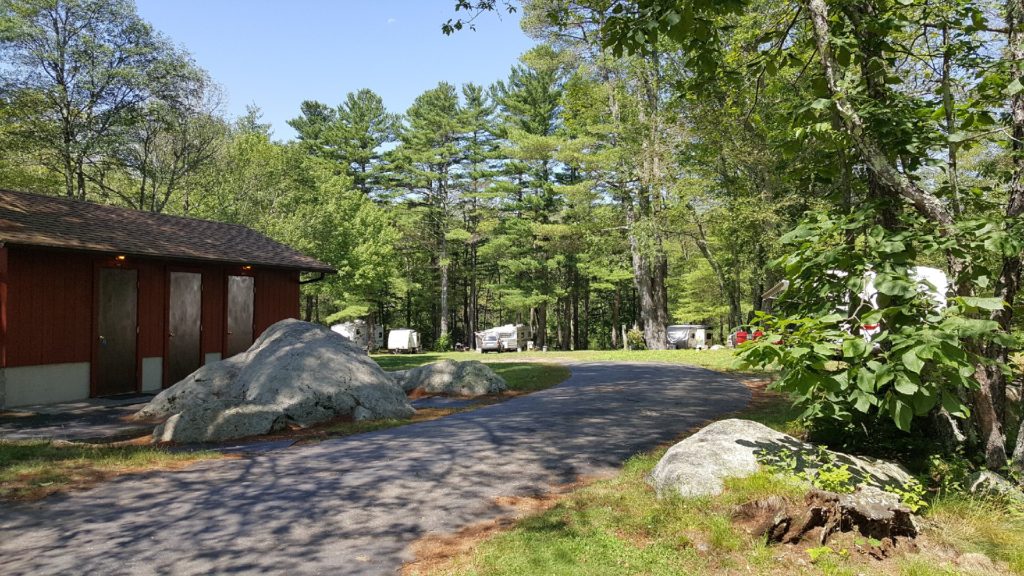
503	338
403	340
358	332
931	282
688	336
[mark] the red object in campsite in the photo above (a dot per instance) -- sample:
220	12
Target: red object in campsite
758	334
741	337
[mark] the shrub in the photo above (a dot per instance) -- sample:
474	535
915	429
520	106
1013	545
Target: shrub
635	339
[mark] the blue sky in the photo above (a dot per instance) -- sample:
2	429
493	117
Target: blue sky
277	54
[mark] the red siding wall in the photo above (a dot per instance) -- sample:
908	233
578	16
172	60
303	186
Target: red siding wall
3	306
49	307
277	298
49	304
152	308
213	309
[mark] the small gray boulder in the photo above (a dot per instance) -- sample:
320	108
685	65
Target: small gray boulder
698	465
295	373
988	483
451	378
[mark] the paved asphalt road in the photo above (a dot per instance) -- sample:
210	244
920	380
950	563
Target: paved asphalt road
353	505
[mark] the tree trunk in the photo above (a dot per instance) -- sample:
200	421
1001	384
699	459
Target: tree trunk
308	317
575	313
949	110
542	325
616	304
80	175
1017	464
1009	280
649	272
585	328
474	298
371	323
442	259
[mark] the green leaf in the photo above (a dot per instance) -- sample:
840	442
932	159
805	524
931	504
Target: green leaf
823	349
866	381
904	385
924	401
901	413
984	303
1014	87
862	401
821	103
854	348
912	362
954	406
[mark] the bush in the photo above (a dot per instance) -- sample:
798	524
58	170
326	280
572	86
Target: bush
444	343
635	339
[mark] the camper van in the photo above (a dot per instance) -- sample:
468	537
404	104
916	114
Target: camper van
503	338
403	340
358	332
687	336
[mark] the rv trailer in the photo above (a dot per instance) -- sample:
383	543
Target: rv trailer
358	332
403	340
688	336
510	337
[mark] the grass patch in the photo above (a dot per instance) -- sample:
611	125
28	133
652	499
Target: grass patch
981	526
526	377
722	360
32	469
522	377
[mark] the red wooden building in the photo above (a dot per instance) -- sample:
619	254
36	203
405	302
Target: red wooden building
97	300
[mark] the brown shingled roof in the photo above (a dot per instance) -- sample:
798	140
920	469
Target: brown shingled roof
53	222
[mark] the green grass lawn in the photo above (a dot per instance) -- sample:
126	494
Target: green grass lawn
522	377
34	468
722	360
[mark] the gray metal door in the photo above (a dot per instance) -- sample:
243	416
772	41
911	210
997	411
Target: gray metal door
116	364
184	325
240	314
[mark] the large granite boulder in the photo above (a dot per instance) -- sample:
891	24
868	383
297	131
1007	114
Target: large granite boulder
451	378
295	373
698	465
